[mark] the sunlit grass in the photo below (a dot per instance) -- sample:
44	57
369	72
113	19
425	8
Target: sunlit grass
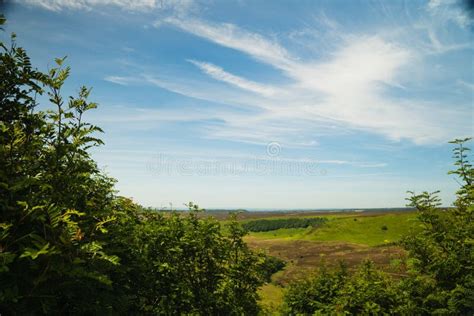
271	297
365	230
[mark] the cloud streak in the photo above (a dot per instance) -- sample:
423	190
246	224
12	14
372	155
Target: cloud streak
350	86
59	5
218	73
450	10
177	6
231	36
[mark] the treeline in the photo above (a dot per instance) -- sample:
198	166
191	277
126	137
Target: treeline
70	245
264	225
440	265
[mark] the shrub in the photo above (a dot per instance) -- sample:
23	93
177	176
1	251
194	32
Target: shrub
315	294
367	292
55	204
272	265
69	245
179	263
264	225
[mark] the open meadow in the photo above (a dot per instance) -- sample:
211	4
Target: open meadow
349	237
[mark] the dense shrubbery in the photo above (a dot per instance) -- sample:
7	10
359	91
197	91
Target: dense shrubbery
175	264
441	265
367	292
69	245
272	265
264	225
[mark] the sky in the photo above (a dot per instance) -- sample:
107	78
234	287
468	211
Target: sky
265	104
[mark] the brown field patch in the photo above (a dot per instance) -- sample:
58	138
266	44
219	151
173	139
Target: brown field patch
305	257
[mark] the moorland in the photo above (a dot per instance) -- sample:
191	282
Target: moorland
344	236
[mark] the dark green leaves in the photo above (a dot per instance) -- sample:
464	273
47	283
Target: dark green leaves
69	245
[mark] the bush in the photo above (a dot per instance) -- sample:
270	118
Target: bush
367	292
264	225
55	204
69	245
182	264
272	265
315	294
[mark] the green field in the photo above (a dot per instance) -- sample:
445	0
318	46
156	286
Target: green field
350	237
365	230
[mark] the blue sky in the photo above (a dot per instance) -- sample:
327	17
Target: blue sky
265	104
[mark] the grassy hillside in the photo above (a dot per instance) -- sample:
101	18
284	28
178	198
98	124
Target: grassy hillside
366	230
350	237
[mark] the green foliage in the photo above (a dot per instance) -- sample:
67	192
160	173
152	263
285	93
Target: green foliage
180	264
69	245
53	198
440	277
367	292
264	225
442	253
315	294
270	266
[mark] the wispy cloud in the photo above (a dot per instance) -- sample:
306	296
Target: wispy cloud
178	6
349	86
438	47
230	35
218	73
450	10
124	81
59	5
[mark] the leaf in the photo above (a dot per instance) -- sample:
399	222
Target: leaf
35	253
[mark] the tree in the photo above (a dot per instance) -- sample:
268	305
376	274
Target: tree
175	263
54	201
442	253
70	245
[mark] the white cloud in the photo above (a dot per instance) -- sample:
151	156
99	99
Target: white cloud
449	10
59	5
229	35
349	86
220	74
124	81
438	47
178	6
355	68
